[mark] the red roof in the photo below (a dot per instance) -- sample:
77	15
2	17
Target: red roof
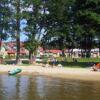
54	51
22	52
11	51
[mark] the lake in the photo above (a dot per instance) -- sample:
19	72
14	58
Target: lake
35	87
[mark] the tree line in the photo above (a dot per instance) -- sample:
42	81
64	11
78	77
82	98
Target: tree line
57	24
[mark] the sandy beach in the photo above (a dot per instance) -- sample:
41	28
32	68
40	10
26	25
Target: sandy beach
66	73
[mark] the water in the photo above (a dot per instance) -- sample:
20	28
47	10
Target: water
27	87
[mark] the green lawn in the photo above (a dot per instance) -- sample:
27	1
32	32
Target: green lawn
81	62
67	62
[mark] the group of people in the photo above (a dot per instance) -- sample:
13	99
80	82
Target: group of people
96	67
52	62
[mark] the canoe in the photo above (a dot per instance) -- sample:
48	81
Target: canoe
14	71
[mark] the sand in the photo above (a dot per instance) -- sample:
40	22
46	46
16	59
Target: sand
66	73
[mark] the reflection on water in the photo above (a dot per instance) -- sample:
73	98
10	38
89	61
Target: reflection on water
46	88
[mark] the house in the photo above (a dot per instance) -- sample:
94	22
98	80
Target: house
10	48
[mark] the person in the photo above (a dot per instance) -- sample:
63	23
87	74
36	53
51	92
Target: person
53	61
96	67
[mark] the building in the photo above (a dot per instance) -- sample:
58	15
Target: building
9	48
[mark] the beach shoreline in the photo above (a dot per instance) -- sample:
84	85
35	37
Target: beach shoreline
66	73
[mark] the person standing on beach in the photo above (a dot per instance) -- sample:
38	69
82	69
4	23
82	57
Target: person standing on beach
53	61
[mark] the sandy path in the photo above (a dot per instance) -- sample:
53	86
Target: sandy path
68	73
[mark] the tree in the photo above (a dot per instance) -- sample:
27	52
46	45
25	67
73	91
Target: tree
15	26
4	19
32	17
56	22
87	22
31	45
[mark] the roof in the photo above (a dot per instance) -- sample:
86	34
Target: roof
54	51
11	51
14	51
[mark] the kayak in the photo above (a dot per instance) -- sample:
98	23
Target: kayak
14	71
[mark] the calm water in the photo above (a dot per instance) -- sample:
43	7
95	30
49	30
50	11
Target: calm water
45	88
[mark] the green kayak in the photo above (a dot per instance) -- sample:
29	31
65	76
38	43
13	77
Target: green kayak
14	71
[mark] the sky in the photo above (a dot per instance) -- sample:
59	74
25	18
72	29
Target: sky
23	24
22	35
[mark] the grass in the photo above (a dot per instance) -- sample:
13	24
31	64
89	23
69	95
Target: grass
81	62
66	62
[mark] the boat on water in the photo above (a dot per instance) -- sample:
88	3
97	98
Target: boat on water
14	71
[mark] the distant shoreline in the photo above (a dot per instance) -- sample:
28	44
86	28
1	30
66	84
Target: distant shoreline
66	73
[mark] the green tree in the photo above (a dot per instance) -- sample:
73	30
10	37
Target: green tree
15	26
87	22
4	19
31	44
32	29
57	22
